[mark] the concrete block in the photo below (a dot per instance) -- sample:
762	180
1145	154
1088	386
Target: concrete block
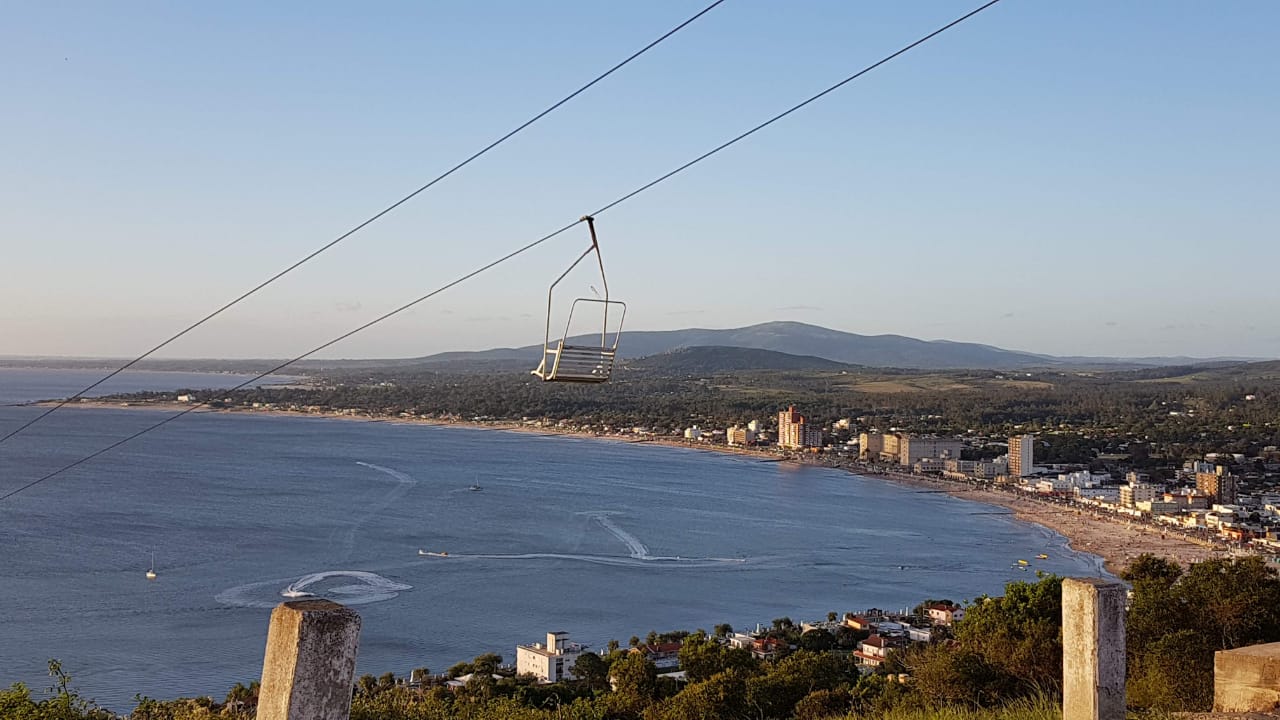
1247	679
310	662
1093	651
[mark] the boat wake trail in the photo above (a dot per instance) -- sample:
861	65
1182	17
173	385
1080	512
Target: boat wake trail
368	588
403	484
614	560
639	553
638	549
402	477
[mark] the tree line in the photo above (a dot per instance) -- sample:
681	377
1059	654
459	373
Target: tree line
1005	653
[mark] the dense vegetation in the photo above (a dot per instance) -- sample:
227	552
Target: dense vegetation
1003	662
1156	416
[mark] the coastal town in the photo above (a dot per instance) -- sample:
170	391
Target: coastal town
1227	501
1211	507
1203	503
866	638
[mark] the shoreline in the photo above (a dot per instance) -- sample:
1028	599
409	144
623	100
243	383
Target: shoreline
1113	541
1116	543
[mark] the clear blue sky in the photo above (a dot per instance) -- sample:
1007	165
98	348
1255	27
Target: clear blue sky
1091	177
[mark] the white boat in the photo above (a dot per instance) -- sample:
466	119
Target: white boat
425	553
475	488
291	593
151	574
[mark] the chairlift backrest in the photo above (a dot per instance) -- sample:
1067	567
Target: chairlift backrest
583	363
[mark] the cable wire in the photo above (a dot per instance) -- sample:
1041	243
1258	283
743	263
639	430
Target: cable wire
366	222
510	255
287	363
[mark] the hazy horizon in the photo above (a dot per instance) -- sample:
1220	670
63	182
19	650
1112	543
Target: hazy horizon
1088	179
536	341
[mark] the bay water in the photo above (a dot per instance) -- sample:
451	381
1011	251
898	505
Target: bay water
603	539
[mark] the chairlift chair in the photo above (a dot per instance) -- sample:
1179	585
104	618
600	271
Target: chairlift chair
562	362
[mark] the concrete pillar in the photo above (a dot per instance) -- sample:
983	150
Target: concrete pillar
310	662
1093	649
1247	679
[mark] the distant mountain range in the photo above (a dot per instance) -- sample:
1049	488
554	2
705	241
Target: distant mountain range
812	343
777	346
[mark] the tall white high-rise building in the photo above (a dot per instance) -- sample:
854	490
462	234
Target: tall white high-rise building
1022	455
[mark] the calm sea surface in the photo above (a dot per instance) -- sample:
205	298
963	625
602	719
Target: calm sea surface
602	539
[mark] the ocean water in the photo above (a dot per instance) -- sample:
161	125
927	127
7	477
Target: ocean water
603	539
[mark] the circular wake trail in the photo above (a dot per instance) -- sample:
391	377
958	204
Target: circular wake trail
368	588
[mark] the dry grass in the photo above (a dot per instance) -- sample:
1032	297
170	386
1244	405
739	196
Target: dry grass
1028	709
1025	384
931	383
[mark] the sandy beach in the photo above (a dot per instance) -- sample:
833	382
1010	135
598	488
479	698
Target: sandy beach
1117	542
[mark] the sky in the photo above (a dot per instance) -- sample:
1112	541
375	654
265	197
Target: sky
1076	178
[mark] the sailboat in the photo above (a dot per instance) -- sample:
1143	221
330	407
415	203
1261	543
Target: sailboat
151	574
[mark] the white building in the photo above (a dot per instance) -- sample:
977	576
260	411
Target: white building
1198	466
693	433
1105	494
989	470
914	448
1070	482
1134	493
929	465
551	662
919	634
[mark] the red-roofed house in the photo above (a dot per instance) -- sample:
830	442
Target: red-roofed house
944	613
767	648
857	622
664	656
872	651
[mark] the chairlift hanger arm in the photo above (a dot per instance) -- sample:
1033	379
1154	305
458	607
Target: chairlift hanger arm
595	247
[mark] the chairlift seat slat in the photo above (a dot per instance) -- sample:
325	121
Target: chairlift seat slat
577	363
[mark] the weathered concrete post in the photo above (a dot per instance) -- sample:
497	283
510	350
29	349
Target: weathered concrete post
1093	649
310	662
1247	679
